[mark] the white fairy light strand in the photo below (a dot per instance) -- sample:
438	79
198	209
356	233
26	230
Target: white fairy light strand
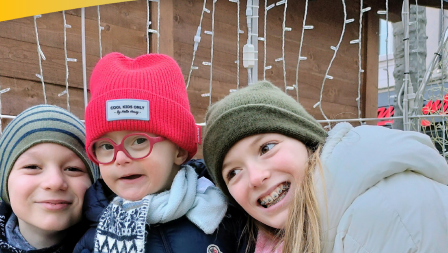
284	28
266	9
147	26
442	60
1	92
66	62
387	50
197	39
157	32
418	52
360	70
41	57
332	59
238	31
301	58
238	46
211	53
443	76
158	24
100	28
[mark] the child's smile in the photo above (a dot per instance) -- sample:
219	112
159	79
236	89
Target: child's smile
262	172
275	196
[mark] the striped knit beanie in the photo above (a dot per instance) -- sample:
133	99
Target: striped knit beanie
146	94
41	124
257	109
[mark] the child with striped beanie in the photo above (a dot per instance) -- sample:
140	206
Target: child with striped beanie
44	173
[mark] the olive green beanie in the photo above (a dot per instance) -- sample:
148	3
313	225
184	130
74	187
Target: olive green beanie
259	108
41	124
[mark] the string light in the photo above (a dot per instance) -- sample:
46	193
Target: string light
66	59
100	28
360	70
386	12
197	39
41	57
284	29
266	9
1	92
331	62
157	32
148	23
209	94
301	58
238	46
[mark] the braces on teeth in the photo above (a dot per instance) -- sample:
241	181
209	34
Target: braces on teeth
271	198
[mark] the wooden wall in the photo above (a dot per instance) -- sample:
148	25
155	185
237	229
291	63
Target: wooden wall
339	94
125	32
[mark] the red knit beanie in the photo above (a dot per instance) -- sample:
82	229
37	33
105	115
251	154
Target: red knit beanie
146	94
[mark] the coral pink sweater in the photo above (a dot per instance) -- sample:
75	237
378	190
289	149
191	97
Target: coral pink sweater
266	245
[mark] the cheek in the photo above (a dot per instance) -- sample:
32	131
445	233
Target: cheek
21	187
240	194
79	186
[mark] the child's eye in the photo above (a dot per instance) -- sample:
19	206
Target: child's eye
106	146
74	169
266	148
140	141
232	173
31	167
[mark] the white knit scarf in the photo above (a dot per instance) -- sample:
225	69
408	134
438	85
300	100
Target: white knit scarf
122	225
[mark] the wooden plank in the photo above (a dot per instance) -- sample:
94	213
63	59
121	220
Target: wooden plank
24	94
166	43
369	96
51	34
129	15
20	60
18	51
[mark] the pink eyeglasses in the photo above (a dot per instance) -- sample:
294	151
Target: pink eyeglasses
136	146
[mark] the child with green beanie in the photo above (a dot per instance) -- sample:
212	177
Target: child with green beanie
353	189
44	172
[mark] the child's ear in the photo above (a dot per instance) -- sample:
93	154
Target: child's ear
181	156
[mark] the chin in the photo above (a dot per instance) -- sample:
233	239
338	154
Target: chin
132	196
276	223
56	226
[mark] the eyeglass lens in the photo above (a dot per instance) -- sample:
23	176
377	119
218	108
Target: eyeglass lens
137	146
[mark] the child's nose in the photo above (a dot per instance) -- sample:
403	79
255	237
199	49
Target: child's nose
54	180
122	158
258	173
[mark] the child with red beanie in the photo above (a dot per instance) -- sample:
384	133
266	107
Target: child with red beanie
141	133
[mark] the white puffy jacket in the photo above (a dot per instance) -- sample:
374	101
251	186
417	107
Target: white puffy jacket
386	191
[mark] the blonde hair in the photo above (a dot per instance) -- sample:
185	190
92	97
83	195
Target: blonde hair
302	230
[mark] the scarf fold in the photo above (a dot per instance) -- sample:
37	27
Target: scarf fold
122	225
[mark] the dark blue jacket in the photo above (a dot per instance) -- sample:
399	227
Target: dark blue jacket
67	245
180	235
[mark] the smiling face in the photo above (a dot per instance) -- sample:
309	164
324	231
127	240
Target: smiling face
134	179
262	172
46	188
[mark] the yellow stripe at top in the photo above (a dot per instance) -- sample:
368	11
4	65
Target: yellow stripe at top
12	9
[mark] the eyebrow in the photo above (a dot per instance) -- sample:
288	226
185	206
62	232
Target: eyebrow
253	142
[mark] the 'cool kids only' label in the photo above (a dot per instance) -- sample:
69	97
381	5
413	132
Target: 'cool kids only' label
120	109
